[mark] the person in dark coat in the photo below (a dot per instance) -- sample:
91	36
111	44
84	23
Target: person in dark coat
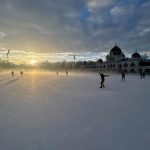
123	76
102	79
21	72
143	74
12	73
66	73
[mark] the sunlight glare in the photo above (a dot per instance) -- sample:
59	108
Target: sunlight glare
33	62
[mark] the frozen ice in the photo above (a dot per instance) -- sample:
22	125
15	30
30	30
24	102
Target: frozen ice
43	111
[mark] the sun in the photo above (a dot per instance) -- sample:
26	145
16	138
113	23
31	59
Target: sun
33	62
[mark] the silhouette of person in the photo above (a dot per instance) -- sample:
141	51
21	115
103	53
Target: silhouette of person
102	79
21	72
57	73
12	73
123	76
143	74
66	73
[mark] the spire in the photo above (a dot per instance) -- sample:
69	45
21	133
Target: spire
115	44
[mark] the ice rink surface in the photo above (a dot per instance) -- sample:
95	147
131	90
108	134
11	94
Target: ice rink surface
43	111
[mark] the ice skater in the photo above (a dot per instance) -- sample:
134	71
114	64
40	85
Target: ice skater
102	79
143	74
21	72
66	73
12	73
123	76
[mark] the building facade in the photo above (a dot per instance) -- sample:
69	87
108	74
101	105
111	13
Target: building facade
117	61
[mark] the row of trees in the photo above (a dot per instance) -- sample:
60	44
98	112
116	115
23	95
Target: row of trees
52	66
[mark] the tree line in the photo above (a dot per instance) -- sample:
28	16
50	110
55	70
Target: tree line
67	65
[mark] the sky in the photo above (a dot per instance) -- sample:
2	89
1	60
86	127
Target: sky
54	29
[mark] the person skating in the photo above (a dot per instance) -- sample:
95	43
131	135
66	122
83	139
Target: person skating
12	73
143	74
21	72
123	76
102	79
66	73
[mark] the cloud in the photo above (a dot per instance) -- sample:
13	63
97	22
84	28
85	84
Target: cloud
2	34
116	11
26	57
74	25
144	32
99	3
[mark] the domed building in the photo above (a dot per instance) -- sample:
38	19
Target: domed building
116	51
136	55
115	54
116	61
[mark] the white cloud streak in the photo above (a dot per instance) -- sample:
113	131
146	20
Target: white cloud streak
99	3
2	34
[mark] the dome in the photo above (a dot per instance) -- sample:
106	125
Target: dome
116	50
136	55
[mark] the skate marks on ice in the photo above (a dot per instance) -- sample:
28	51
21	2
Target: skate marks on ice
3	79
8	82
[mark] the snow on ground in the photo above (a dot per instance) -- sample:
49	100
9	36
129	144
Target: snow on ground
43	111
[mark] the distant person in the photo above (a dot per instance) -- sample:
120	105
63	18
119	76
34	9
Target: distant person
21	72
123	76
12	73
66	73
143	74
57	73
102	79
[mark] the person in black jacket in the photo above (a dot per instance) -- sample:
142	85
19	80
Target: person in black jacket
102	79
12	73
123	76
21	72
66	73
143	74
